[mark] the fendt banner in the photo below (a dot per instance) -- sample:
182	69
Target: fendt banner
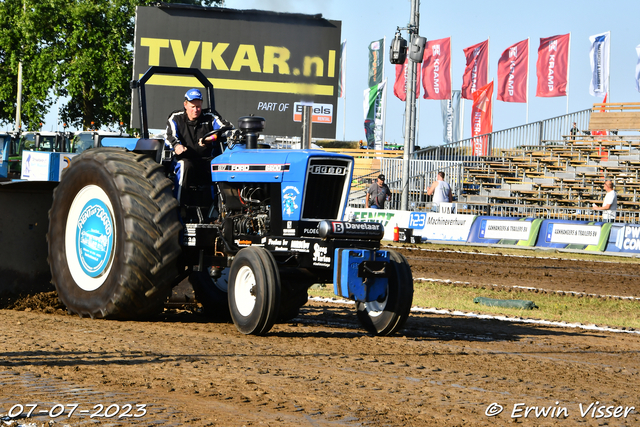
262	63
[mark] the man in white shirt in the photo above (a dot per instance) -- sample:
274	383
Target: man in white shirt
440	190
609	204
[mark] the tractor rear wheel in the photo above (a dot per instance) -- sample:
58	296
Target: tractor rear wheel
254	290
113	235
388	316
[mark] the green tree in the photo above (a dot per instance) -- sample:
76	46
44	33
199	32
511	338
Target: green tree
79	50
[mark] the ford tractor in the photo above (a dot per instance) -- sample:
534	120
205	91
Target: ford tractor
271	225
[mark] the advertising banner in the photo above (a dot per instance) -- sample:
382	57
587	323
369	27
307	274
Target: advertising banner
259	62
402	76
574	235
476	72
452	114
374	115
513	73
482	119
552	67
624	238
599	58
376	56
438	226
436	69
388	218
505	231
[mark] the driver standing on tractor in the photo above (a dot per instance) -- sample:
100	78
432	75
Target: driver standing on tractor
185	132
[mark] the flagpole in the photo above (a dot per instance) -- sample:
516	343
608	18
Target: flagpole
384	100
609	70
527	95
344	92
568	68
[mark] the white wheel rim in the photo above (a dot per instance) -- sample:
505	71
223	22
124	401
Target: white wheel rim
376	308
244	291
90	238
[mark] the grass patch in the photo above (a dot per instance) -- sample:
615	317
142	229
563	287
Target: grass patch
555	307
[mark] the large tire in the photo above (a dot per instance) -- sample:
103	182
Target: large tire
113	235
388	316
212	293
254	290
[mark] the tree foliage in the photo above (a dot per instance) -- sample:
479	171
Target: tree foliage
78	50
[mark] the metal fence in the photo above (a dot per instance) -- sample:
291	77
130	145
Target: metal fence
421	174
542	212
515	138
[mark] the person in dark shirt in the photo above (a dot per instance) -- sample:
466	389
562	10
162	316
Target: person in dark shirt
185	133
377	194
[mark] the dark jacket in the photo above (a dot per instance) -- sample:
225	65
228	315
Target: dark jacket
181	130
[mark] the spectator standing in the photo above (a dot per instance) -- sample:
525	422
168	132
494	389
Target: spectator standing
377	194
609	204
574	130
440	190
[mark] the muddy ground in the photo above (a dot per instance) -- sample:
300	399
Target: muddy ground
322	370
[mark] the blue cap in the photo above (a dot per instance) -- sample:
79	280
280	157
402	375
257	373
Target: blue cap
193	94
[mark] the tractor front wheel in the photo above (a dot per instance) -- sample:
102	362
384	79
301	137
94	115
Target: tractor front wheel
254	290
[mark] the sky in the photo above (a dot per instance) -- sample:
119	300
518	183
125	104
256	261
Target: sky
468	23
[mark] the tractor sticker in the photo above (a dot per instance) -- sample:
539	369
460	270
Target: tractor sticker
289	196
94	238
320	257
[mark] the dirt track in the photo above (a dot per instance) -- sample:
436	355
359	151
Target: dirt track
322	370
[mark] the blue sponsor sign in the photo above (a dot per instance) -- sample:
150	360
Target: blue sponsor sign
417	220
624	238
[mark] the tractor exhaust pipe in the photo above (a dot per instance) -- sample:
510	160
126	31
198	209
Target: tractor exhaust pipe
251	126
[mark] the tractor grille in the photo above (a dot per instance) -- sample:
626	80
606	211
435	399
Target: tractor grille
326	188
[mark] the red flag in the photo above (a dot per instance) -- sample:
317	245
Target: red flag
436	69
604	153
552	67
481	119
513	69
475	73
402	75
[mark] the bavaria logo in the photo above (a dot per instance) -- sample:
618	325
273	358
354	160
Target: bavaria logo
94	238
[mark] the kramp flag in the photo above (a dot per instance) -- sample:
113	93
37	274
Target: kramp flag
402	75
374	115
342	80
599	58
476	71
376	55
552	67
513	70
481	119
436	69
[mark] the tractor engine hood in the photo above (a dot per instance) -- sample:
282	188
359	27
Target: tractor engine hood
265	165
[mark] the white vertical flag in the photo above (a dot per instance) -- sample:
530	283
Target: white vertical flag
342	80
599	58
638	69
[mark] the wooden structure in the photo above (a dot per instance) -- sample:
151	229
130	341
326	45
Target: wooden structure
622	116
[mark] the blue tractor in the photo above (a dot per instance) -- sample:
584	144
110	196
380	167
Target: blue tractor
119	241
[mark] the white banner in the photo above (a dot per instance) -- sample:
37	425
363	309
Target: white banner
452	112
638	69
506	229
447	227
574	234
599	58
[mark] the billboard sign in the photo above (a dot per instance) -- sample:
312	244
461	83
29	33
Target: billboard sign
259	62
